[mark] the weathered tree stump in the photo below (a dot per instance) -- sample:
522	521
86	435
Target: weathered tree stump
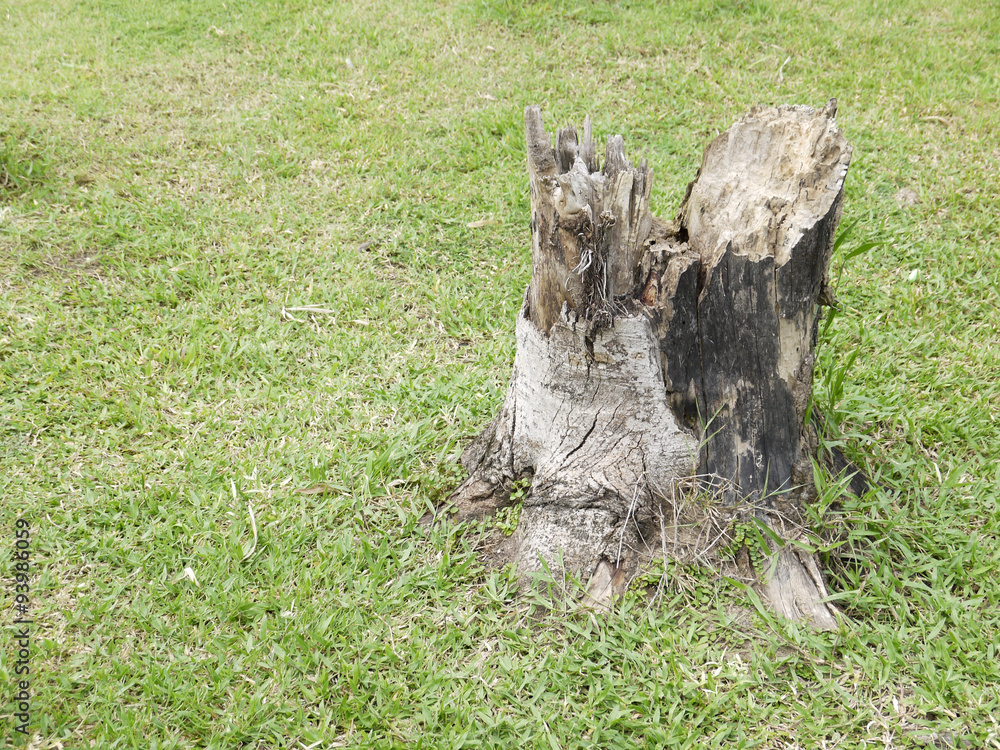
655	357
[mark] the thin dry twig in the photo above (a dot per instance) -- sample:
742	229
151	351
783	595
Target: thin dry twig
631	509
310	309
253	524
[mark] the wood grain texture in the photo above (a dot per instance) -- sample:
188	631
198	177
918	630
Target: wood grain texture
760	218
588	225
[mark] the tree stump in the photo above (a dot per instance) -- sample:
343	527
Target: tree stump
656	359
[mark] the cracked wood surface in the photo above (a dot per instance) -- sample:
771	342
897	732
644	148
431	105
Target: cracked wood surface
760	218
587	223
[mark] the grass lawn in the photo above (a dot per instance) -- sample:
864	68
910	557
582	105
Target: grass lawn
245	327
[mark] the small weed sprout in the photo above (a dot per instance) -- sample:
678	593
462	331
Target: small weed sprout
746	535
506	519
639	586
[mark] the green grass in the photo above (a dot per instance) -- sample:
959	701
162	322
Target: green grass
176	177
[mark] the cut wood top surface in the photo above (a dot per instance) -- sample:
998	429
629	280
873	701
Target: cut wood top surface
765	181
